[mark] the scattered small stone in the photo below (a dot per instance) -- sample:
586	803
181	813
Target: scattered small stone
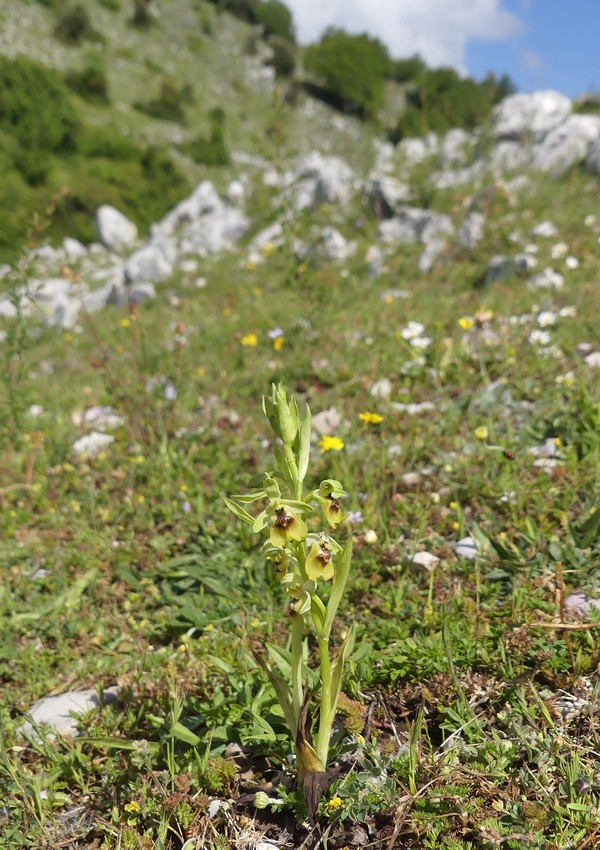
92	444
57	711
426	560
466	548
579	604
214	807
115	231
410	480
414	408
100	417
382	388
593	360
547	279
327	421
546	230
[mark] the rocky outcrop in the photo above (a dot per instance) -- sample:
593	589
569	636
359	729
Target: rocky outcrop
521	117
115	231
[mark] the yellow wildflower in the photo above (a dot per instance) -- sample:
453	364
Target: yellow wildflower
249	340
124	323
370	418
329	444
133	807
481	433
278	343
466	322
334	804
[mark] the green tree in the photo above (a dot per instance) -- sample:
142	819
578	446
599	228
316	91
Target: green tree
352	70
276	19
37	110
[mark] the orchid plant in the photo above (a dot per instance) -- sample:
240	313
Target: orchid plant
304	561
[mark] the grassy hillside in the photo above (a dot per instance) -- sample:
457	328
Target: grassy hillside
210	59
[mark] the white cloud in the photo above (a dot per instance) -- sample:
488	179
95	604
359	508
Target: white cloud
437	29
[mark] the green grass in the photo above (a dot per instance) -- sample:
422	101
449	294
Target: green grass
451	734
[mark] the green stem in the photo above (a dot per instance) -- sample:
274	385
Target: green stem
325	709
297	683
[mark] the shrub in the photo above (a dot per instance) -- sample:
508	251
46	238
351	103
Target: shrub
403	70
211	150
107	143
90	83
113	5
275	19
141	17
441	99
283	59
352	69
74	25
169	105
37	110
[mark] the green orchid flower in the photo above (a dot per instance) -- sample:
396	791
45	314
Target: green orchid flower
328	495
286	526
319	563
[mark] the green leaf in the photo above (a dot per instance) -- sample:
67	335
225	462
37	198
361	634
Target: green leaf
248	498
237	510
182	733
337	671
319	612
342	568
304	445
282	691
120	744
588	531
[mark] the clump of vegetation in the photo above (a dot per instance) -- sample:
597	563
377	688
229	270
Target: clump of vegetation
90	83
170	103
142	15
351	71
276	19
211	150
36	109
272	15
283	59
441	99
112	5
74	25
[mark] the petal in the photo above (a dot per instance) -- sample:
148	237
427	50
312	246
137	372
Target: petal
297	530
278	536
313	566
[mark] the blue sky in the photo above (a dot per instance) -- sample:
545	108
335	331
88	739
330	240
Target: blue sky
539	43
558	48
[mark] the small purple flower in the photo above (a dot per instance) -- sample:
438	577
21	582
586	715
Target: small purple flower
359	222
275	333
355	517
186	507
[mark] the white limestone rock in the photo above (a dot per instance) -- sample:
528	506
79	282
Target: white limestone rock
57	711
523	116
90	445
426	560
115	231
148	264
73	248
101	417
567	144
592	162
547	279
471	231
466	549
385	195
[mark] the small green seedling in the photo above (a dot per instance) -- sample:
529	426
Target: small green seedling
302	561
